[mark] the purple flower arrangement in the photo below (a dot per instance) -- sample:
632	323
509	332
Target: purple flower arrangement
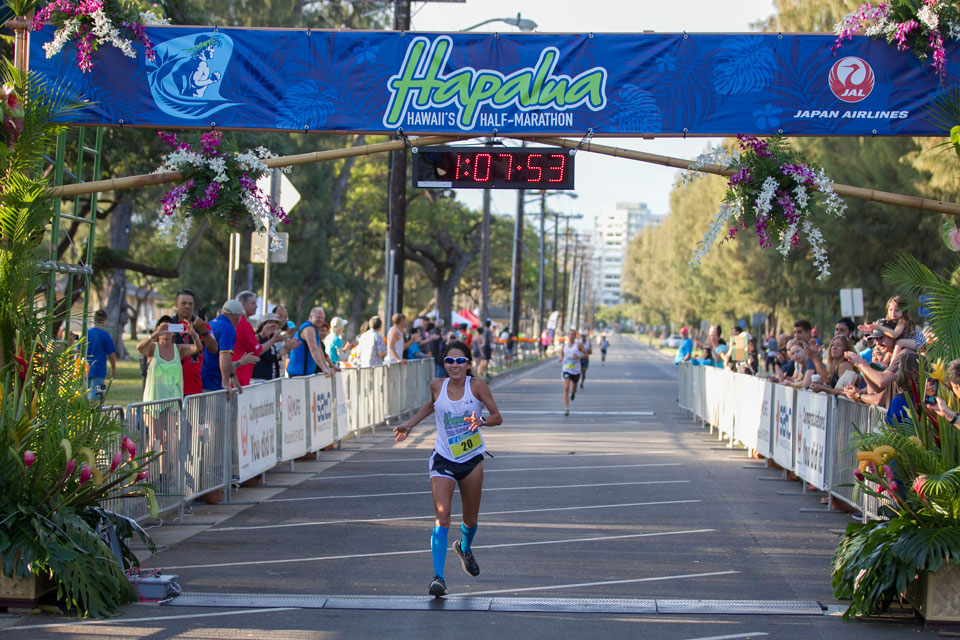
919	27
772	190
218	183
94	23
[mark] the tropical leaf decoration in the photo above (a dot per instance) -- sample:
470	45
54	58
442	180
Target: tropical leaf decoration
637	110
305	106
61	458
743	65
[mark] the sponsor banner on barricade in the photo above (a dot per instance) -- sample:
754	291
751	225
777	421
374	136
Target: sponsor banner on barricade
748	393
700	385
342	416
728	405
783	422
765	426
256	430
320	401
293	418
811	437
713	389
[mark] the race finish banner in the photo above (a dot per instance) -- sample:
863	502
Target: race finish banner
506	84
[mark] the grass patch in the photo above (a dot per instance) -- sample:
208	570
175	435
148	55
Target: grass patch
127	387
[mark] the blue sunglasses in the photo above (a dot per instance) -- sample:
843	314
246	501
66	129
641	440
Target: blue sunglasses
450	360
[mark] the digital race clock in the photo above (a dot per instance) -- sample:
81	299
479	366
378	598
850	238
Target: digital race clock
492	168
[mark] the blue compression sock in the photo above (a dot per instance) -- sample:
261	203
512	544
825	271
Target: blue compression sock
467	539
438	545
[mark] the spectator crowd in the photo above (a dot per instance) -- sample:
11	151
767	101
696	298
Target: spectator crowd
875	363
189	353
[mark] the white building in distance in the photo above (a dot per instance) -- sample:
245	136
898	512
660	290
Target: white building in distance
611	236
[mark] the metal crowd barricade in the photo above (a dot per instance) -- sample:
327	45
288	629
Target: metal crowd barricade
713	396
155	427
198	436
205	430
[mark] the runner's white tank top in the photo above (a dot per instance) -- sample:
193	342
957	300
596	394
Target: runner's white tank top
571	359
455	441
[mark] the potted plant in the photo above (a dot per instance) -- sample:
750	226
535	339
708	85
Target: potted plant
913	470
61	459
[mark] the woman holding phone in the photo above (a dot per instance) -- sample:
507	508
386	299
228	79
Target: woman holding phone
164	371
457	459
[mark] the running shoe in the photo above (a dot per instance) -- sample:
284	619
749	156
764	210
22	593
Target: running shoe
566	412
438	588
573	394
470	565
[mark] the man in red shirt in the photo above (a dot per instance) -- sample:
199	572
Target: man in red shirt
191	364
247	339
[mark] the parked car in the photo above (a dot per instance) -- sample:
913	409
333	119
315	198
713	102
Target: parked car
673	342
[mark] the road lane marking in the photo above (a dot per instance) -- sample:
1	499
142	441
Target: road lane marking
546	412
488	471
420	493
352	556
422	454
122	621
733	637
596	584
454	516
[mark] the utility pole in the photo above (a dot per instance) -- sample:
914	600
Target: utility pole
573	285
485	269
543	215
516	278
396	201
556	252
566	253
580	291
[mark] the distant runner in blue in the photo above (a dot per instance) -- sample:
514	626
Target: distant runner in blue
686	348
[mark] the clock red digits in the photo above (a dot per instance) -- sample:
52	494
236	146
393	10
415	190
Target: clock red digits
533	167
509	163
456	173
476	169
563	164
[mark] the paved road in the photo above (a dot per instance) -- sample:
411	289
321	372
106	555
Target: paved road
624	499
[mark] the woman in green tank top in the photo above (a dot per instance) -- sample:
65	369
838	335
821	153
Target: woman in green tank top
164	372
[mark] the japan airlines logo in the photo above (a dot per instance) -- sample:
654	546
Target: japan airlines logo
851	79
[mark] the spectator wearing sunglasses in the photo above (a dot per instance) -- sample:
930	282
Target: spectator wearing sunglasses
193	363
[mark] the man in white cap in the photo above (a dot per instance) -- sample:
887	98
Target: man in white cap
219	370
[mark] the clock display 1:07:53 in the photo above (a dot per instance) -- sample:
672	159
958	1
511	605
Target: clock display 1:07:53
491	167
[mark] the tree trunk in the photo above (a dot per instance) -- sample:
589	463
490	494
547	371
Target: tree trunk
116	302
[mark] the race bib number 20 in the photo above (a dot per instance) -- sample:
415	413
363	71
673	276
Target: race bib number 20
465	444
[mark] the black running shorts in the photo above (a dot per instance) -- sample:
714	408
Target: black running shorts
440	467
571	376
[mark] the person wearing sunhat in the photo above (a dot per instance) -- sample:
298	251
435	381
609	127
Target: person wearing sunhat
685	352
219	370
269	334
334	345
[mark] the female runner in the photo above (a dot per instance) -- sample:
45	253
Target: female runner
457	458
